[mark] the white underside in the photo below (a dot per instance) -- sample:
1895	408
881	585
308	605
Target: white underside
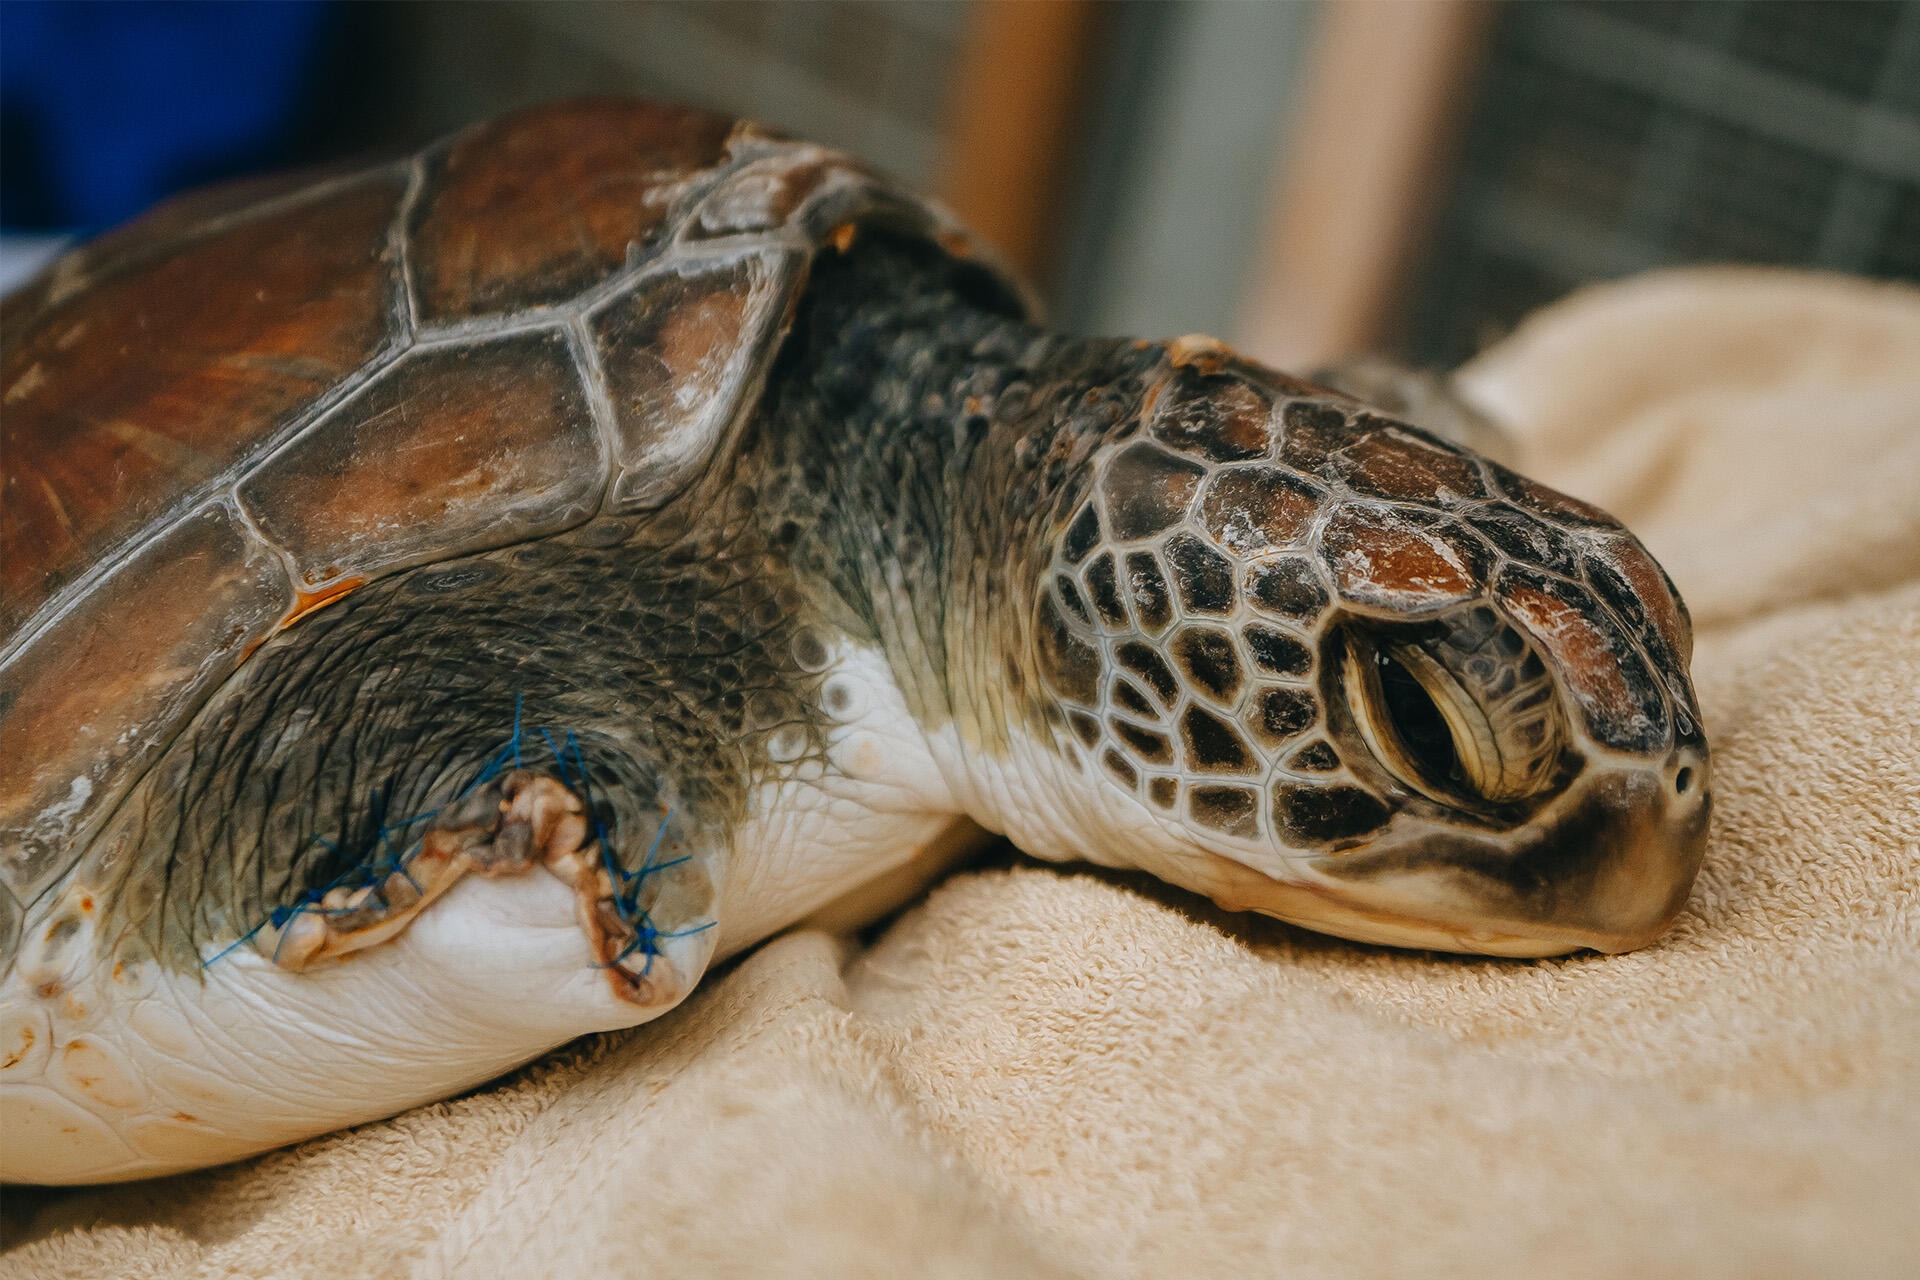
112	1067
116	1078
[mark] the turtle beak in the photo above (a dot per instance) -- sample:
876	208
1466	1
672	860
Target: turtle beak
1608	867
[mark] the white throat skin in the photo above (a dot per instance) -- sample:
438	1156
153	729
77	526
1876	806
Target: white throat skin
1053	807
818	828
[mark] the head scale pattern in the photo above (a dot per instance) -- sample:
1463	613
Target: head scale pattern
1243	529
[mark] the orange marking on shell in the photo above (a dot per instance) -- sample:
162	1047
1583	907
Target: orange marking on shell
306	602
842	236
1151	399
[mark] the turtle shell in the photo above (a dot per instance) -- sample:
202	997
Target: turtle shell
257	398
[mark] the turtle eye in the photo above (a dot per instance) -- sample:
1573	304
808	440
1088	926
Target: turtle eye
1403	722
1416	726
1458	740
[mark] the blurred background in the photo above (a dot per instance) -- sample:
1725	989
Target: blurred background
1301	177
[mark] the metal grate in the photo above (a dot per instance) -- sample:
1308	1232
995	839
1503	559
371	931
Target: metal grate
1610	137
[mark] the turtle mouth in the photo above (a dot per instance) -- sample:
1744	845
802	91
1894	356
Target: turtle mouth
1460	710
1607	866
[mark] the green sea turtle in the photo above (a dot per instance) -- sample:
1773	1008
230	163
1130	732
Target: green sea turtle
451	605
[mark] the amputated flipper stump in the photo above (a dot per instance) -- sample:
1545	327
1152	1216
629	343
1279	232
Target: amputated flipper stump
515	824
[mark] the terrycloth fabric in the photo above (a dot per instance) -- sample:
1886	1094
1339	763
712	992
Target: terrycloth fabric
1048	1072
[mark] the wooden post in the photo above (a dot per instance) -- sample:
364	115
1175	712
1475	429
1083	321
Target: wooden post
1359	182
1013	108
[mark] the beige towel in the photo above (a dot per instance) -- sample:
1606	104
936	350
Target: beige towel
1056	1073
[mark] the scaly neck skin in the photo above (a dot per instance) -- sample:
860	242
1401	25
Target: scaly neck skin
919	455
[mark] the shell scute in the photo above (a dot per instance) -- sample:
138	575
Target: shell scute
680	352
1644	595
1313	430
1402	465
763	194
1549	504
435	356
158	380
1148	491
453	450
530	209
1219	419
87	705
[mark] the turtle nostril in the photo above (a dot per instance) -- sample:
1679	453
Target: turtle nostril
1683	780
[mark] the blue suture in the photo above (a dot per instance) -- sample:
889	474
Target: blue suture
559	759
388	856
240	941
660	833
579	765
646	936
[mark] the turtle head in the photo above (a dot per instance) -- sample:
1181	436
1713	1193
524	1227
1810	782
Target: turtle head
1324	665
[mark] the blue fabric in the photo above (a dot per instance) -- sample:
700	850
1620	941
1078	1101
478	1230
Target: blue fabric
105	107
